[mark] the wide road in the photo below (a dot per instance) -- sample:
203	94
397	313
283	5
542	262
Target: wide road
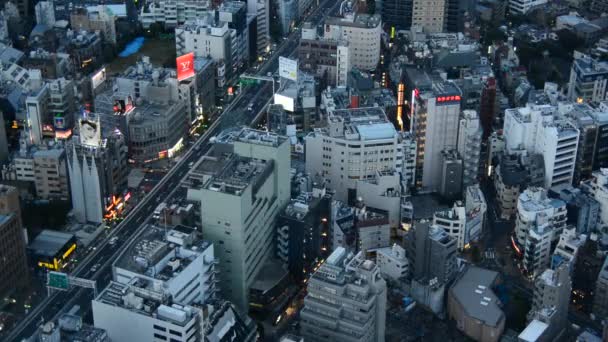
168	189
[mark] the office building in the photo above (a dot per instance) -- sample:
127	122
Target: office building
535	129
512	175
450	186
235	14
435	126
475	307
382	191
396	13
97	169
45	13
288	14
85	48
464	222
299	101
99	18
319	55
551	300
362	33
345	301
172	13
453	222
522	7
244	169
52	250
207	38
600	295
355	145
158	317
303	234
51	174
429	15
588	80
13	264
175	260
434	253
581	117
393	263
545	216
469	146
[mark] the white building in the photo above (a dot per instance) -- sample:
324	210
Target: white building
567	248
45	13
355	145
345	301
453	222
429	15
393	263
469	146
362	32
476	208
206	38
382	192
535	208
244	183
535	129
435	126
588	80
172	13
521	7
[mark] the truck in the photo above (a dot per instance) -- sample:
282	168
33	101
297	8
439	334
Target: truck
159	210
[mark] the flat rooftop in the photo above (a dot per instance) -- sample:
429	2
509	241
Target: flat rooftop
473	290
158	256
363	123
235	173
250	136
360	21
50	242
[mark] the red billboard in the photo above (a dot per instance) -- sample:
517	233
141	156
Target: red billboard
185	66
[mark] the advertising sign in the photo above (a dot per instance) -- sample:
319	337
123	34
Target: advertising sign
288	68
90	133
287	102
98	78
185	66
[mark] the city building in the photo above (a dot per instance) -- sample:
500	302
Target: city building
474	306
69	328
540	221
101	19
207	38
583	210
175	260
451	170
52	250
97	170
453	222
433	253
288	14
243	169
356	144
172	13
85	49
429	15
235	14
120	307
393	263
597	187
469	146
345	301
13	264
51	174
321	56
362	33
588	80
551	300
45	13
512	175
299	101
600	295
567	248
581	116
536	130
435	126
521	7
303	233
396	14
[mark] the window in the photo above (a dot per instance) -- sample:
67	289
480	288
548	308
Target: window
157	327
160	337
176	333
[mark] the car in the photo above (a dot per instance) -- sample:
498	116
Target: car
250	107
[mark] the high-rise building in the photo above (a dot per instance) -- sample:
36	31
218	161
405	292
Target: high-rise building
521	7
97	168
540	221
356	145
433	253
597	188
536	129
583	210
362	32
99	18
318	55
345	301
45	13
396	14
435	125
429	15
551	300
172	13
453	222
487	106
600	295
588	80
242	183
567	248
469	146
13	263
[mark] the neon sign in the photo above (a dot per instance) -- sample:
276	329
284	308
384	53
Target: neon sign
448	98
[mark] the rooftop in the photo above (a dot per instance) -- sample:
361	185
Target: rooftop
360	21
232	173
473	290
159	256
251	136
360	124
50	242
533	331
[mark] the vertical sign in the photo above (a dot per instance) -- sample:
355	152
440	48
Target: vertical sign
288	68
